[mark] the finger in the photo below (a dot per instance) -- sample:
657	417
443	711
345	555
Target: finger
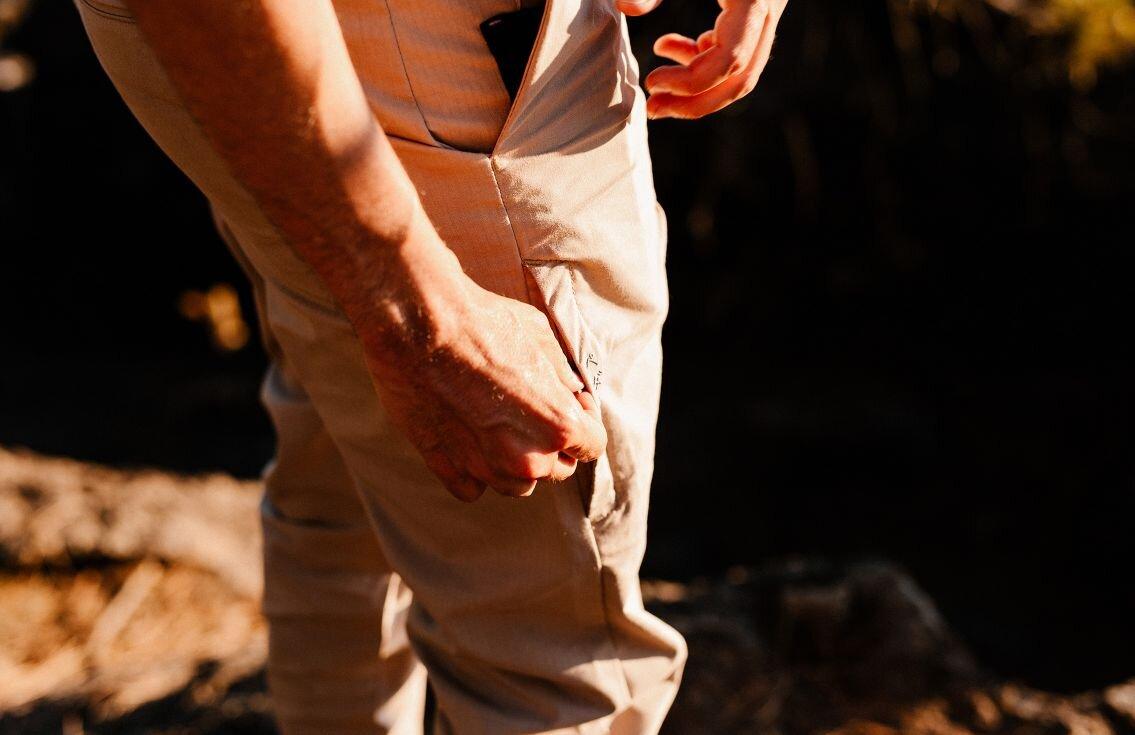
703	72
555	347
569	377
633	7
586	437
688	107
664	104
734	40
676	47
706	39
564	468
513	471
514	488
563	367
465	489
460	485
555	350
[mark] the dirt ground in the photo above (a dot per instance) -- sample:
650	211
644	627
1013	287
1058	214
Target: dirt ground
128	604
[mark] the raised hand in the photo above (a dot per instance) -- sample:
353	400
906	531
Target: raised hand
718	68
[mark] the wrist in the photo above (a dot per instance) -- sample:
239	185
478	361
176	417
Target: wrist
419	296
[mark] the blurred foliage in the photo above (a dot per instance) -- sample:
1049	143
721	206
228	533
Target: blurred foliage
219	308
1097	32
16	70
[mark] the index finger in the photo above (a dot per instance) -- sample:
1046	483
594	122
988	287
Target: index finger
664	104
735	36
636	7
703	72
587	439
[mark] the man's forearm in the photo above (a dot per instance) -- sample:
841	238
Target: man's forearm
477	382
271	83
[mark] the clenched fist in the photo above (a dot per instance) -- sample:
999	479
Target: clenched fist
479	383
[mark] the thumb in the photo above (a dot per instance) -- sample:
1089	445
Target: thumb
637	7
589	438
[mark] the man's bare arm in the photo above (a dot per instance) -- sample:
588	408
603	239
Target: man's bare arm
272	85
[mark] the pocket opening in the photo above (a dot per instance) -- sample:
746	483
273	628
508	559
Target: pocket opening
525	78
556	292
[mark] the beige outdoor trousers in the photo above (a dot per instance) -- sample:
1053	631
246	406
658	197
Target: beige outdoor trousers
525	614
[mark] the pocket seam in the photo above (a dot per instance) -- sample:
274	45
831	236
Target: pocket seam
121	16
590	334
589	345
577	349
409	82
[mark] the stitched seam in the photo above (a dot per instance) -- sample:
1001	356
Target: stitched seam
308	301
592	337
589	333
109	14
593	541
406	76
591	524
511	227
611	638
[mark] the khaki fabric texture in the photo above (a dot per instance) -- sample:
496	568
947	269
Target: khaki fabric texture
526	614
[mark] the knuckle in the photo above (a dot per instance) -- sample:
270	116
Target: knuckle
563	429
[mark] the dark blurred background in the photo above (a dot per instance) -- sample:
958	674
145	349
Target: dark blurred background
900	279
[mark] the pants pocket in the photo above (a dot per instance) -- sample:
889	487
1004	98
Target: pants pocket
552	283
597	490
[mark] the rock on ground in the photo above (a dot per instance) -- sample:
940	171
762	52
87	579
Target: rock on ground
128	604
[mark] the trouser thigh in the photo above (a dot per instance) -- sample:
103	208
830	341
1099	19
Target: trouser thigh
339	659
523	625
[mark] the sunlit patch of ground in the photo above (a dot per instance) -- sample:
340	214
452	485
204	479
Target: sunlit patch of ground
128	603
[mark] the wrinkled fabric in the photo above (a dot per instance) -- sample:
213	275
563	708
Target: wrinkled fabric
526	614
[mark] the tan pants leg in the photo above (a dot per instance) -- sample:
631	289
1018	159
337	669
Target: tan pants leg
524	625
339	658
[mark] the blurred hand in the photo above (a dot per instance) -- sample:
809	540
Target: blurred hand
489	398
718	68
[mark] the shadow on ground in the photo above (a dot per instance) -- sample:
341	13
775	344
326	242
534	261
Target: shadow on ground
128	605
